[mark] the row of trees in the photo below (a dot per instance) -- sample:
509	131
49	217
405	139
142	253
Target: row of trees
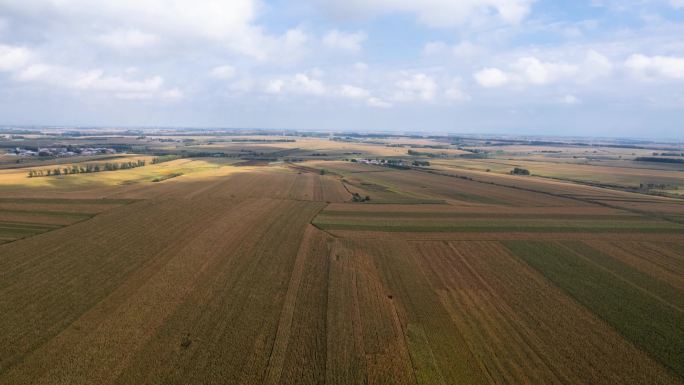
165	158
88	168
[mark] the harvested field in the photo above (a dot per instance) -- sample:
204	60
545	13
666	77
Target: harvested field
272	275
510	328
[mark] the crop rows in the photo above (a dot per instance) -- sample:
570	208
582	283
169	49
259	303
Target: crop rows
653	317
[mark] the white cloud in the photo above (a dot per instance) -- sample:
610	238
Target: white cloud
534	71
570	100
288	48
440	13
223	72
300	83
529	70
491	77
96	81
415	87
378	103
344	42
651	67
307	85
353	92
677	3
230	25
13	58
128	39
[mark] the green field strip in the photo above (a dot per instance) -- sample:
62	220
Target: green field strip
424	365
492	214
15	230
405	201
27	226
649	323
20	233
484	225
61	214
660	289
490	229
438	350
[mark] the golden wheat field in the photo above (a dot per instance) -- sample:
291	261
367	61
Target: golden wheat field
275	273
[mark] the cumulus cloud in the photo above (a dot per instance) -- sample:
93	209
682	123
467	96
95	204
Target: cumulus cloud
307	85
415	87
491	77
353	92
654	67
230	25
13	58
534	71
530	70
300	83
96	81
440	13
344	42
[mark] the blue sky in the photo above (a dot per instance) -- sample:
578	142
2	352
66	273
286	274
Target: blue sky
601	67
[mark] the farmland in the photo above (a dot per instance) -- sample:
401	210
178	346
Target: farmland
251	259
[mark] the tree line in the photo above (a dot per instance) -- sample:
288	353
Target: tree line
165	158
88	168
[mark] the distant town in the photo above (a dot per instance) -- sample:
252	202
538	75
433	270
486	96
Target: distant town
61	151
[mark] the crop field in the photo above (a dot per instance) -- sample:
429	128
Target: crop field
24	217
222	270
627	174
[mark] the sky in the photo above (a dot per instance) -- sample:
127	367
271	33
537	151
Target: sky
611	68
